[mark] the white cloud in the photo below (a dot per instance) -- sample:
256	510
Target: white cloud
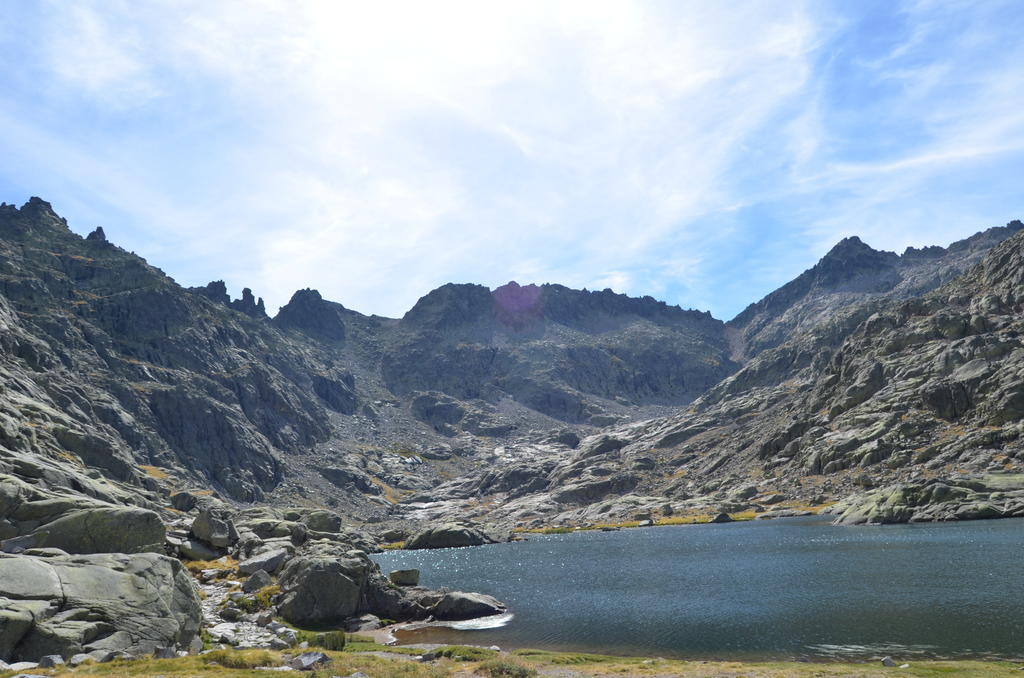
377	150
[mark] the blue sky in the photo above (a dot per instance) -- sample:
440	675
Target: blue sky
700	152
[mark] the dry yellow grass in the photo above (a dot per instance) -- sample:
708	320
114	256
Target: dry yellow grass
155	472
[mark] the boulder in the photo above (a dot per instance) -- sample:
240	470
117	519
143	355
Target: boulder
257	581
114	529
269	562
214	530
323	521
307	661
66	605
318	591
460	605
405	577
448	535
193	549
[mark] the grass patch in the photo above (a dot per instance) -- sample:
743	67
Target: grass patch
393	546
242	659
155	472
497	668
197	566
261	600
565	658
466	653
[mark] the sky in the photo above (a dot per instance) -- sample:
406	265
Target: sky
703	153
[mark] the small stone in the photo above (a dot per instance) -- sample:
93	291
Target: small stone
307	661
904	666
196	646
165	653
230	613
257	581
51	660
264	619
405	577
888	661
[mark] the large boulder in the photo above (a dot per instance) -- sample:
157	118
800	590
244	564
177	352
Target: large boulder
461	605
448	535
322	590
65	605
270	561
214	530
323	521
113	529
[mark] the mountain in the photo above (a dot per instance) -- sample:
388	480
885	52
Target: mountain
918	396
110	366
121	384
853	272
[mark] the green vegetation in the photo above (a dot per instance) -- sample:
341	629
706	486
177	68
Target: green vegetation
242	659
503	667
465	653
519	664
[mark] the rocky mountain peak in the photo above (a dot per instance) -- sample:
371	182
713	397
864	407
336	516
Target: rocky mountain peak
217	291
214	291
249	305
518	305
97	235
310	313
850	259
451	305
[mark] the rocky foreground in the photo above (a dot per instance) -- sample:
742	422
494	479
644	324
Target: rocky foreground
203	578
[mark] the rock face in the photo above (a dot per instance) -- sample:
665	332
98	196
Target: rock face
66	605
938	499
102	530
886	390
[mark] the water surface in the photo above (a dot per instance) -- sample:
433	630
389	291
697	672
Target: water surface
790	588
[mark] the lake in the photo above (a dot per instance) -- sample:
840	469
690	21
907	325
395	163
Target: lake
789	588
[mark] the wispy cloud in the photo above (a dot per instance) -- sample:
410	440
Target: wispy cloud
695	151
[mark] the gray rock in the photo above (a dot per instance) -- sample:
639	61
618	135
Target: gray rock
50	661
22	666
320	590
193	549
230	614
722	518
888	661
101	530
165	653
99	601
405	577
308	661
213	530
270	562
457	605
258	580
448	535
